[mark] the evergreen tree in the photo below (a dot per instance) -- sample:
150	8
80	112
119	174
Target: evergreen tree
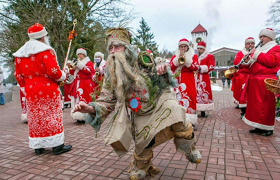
145	39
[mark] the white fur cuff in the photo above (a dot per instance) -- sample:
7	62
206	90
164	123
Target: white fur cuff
62	77
249	63
203	69
188	62
256	54
176	62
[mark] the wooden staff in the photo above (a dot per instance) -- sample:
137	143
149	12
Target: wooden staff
70	42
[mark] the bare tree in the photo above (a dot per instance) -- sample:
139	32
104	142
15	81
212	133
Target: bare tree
274	19
93	16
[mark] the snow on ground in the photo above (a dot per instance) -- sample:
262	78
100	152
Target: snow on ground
216	87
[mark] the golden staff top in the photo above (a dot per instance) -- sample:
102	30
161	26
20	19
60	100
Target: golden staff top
71	36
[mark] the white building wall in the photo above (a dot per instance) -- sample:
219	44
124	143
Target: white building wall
203	37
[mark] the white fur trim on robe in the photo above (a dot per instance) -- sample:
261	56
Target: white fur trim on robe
188	56
62	77
245	51
24	117
23	90
47	142
203	56
203	68
32	47
80	65
264	49
257	125
205	107
242	105
191	118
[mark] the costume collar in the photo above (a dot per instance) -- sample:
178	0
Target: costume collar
32	47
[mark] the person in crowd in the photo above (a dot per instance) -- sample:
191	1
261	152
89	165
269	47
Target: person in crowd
37	70
83	85
206	63
263	63
240	77
67	87
2	98
228	82
23	104
137	102
183	64
223	81
99	65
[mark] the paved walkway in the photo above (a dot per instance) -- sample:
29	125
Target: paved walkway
228	150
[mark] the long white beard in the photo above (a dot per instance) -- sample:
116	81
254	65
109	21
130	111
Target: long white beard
121	75
47	40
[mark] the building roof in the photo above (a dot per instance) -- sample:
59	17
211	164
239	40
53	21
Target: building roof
224	49
199	29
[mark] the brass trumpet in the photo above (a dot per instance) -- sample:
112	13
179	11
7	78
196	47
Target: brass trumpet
72	65
182	60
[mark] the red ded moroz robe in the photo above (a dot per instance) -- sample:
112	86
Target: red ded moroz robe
260	111
82	85
37	70
240	78
186	90
203	84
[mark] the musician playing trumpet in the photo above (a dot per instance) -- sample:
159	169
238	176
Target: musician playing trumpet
83	72
183	64
99	65
240	76
263	63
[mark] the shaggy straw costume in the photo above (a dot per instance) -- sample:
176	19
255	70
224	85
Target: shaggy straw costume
160	117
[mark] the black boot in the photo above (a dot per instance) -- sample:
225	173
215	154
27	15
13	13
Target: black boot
243	111
81	121
267	132
203	114
61	149
39	151
256	130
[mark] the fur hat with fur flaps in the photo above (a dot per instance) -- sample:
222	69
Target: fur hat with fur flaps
118	35
184	41
268	32
99	54
201	45
37	31
81	51
250	39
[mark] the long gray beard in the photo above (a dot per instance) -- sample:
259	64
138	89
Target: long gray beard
47	40
121	75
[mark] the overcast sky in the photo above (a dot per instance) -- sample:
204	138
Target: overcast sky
228	22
